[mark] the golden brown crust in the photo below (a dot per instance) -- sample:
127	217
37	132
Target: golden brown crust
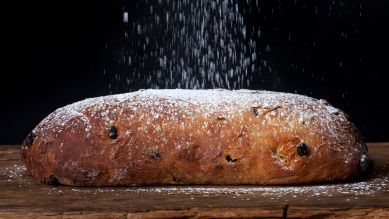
195	137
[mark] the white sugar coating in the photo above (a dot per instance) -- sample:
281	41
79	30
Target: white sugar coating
15	171
222	102
375	185
378	184
17	176
355	190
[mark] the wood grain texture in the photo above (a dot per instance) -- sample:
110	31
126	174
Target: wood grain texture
23	196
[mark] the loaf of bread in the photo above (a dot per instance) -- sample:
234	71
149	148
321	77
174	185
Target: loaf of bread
154	137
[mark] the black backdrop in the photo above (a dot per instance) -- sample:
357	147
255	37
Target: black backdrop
55	56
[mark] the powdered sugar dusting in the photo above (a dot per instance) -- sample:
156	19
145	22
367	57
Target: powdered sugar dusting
379	183
16	175
15	178
206	101
356	190
15	172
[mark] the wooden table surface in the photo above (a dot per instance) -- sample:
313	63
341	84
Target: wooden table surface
24	197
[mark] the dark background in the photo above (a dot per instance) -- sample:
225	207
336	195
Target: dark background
337	50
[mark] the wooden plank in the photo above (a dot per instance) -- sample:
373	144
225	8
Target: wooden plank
20	194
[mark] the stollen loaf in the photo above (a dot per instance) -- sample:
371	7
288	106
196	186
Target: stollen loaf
220	137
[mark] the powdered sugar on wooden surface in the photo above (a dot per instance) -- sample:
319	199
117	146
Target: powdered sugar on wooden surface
17	175
21	191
